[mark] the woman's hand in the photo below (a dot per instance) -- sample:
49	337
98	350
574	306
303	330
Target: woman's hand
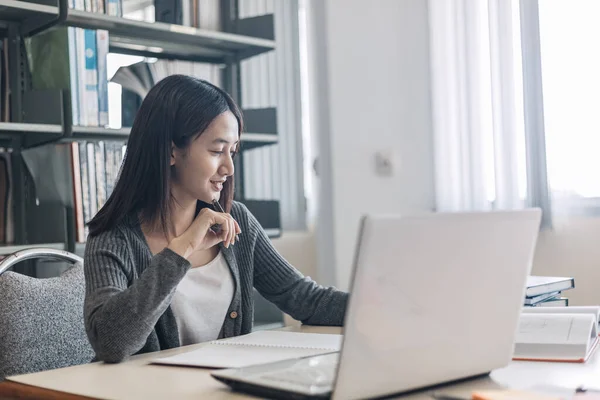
200	236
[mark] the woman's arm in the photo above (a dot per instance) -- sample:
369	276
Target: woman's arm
118	318
285	286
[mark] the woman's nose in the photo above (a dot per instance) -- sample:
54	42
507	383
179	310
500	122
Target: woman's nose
227	168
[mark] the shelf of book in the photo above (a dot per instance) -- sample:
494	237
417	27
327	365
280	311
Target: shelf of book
155	39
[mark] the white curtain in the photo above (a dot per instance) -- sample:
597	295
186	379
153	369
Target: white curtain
477	100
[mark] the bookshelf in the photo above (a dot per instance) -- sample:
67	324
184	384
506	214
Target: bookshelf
156	39
33	124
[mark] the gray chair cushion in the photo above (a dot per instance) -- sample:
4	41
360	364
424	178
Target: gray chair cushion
41	322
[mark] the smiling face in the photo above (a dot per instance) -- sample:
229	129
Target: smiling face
201	169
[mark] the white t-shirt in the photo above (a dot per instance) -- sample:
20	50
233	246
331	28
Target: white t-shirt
201	301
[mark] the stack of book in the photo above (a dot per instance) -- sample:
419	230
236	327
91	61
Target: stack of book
546	291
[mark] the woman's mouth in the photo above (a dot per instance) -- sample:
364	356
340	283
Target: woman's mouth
217	185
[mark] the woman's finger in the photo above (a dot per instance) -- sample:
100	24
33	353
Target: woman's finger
232	227
226	232
213	218
211	239
231	231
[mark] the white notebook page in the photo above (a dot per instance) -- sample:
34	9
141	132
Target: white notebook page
554	328
256	348
286	339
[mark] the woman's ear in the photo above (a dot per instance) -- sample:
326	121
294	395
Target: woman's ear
172	154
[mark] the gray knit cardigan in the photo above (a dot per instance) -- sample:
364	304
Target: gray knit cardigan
128	290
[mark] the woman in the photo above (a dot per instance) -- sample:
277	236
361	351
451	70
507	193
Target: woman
163	268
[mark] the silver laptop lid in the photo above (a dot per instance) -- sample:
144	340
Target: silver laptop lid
435	298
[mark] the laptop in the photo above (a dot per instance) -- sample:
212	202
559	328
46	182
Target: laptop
435	298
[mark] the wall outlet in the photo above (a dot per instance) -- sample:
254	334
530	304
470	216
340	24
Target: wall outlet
384	163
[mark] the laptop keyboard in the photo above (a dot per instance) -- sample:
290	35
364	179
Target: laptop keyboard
321	376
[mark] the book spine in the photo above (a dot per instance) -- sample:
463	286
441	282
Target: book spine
85	186
209	15
186	7
109	156
100	174
91	78
80	60
102	52
77	194
91	166
74	76
112	7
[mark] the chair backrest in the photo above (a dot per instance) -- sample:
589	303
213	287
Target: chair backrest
41	320
266	314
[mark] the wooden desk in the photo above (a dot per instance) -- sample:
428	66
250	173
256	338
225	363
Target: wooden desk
137	379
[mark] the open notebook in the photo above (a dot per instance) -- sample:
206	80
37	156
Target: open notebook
568	334
256	348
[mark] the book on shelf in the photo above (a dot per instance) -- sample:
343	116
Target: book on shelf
203	14
66	58
95	168
77	60
561	334
108	7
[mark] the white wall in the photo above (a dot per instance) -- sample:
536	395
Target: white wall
369	91
572	248
299	249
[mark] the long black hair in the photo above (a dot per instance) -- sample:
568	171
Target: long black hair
175	111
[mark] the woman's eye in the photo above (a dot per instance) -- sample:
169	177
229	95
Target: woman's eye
218	153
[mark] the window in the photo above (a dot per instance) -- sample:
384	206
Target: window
570	75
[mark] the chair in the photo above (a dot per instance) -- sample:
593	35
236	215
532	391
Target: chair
41	320
266	314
